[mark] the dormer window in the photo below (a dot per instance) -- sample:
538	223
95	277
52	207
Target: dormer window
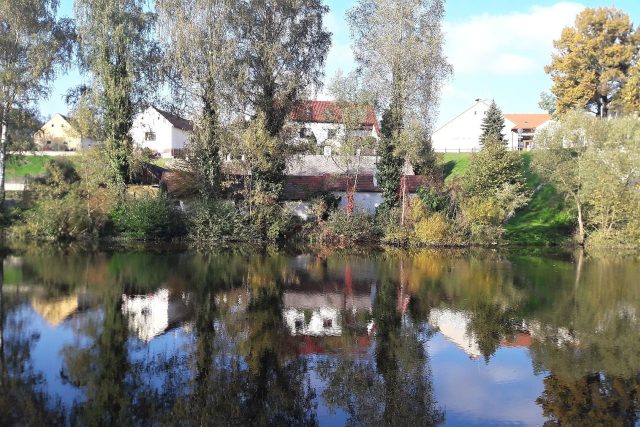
331	133
305	132
149	136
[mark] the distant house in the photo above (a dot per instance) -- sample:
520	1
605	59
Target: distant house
323	120
164	133
311	174
462	133
60	134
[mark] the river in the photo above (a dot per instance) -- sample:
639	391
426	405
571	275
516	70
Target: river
472	337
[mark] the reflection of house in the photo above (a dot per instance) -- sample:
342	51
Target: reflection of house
454	326
318	314
55	311
462	133
60	134
162	132
153	314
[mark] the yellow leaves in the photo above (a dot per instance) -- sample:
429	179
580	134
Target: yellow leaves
592	59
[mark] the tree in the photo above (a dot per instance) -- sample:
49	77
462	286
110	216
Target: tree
492	167
353	106
592	60
282	46
493	124
202	65
594	164
118	50
32	43
547	102
398	49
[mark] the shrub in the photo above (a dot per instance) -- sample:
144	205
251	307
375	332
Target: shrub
147	217
389	222
322	204
433	230
349	229
57	219
217	223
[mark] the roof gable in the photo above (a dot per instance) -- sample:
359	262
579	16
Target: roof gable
176	121
527	121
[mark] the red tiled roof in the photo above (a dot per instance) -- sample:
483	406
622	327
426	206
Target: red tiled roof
327	112
527	121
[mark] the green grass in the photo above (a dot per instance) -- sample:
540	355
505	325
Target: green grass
18	167
454	165
546	219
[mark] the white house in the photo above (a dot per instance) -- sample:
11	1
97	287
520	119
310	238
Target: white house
323	120
160	131
462	133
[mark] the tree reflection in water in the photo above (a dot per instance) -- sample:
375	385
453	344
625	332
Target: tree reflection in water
23	396
393	388
246	351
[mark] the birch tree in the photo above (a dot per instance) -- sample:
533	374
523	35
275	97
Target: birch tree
283	46
32	43
398	49
117	49
353	108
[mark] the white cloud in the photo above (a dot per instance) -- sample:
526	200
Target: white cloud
510	43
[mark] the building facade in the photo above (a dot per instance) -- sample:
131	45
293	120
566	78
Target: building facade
163	133
462	133
60	134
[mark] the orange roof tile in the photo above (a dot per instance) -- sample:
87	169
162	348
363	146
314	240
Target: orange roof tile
327	112
527	121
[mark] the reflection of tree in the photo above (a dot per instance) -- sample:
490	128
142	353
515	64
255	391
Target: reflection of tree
595	399
22	401
102	369
277	390
393	389
489	324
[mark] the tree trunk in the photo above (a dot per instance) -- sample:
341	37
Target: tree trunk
580	223
3	158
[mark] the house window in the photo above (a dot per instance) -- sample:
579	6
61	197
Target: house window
327	323
48	142
331	133
149	136
305	132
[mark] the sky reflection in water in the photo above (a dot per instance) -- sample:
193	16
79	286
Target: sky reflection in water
445	337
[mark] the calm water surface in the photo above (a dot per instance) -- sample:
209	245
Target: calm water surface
433	338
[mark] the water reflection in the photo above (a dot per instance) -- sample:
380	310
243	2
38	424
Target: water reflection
429	338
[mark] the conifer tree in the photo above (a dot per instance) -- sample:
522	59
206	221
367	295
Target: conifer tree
493	124
390	165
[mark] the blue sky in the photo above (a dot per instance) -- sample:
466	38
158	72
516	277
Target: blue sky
498	49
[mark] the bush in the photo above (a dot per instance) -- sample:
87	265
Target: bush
147	217
433	230
218	223
389	222
57	219
349	229
322	204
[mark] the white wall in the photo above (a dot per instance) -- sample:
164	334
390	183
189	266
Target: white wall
151	121
463	132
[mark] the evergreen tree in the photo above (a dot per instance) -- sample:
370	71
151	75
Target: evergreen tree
389	165
493	124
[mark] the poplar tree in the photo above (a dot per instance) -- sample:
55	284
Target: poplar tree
398	49
493	125
32	43
204	69
282	46
118	50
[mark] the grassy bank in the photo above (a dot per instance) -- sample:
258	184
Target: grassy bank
545	220
19	167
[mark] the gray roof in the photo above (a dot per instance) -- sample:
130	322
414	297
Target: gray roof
315	165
